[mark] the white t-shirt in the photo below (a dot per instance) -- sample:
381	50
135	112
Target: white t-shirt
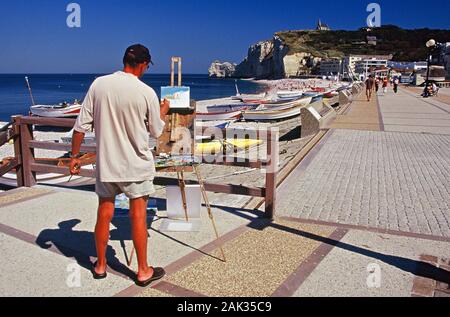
123	110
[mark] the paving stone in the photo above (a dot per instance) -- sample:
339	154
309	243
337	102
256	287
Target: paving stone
404	186
423	287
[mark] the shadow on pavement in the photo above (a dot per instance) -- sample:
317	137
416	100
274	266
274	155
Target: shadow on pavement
79	245
414	267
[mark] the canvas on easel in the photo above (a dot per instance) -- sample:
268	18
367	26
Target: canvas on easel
178	138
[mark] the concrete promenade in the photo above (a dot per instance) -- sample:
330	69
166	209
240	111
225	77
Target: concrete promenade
365	213
389	186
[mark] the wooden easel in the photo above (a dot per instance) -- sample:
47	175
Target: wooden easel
173	125
196	170
175	60
201	182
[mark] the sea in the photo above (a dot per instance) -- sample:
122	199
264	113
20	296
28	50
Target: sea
56	88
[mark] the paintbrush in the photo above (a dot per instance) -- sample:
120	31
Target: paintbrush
77	168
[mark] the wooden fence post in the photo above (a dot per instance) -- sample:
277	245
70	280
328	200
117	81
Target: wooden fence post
271	174
18	151
26	135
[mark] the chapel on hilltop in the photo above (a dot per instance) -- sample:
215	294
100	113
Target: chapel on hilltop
322	26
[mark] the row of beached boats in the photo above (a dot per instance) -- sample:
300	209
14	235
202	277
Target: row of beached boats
262	107
284	105
252	107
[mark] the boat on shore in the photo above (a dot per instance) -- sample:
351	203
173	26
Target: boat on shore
231	107
304	101
272	114
218	116
218	146
286	94
62	110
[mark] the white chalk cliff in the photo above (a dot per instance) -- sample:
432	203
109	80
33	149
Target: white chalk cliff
271	60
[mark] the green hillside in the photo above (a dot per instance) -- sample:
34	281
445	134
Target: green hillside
405	45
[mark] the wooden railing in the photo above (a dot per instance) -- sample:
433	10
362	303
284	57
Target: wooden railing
27	167
8	133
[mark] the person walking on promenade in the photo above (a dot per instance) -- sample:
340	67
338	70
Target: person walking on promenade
396	83
370	85
124	111
377	84
385	85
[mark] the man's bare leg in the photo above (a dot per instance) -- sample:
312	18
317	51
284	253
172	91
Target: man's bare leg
104	218
138	215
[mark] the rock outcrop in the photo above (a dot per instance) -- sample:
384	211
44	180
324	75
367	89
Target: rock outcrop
222	70
272	60
259	61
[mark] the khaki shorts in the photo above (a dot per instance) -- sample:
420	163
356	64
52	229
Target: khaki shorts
131	190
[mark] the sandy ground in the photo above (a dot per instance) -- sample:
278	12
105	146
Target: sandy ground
8	149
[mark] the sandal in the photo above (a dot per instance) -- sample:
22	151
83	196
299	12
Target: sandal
158	273
98	276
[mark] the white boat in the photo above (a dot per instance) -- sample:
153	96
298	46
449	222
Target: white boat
286	94
63	110
298	102
242	97
273	114
217	116
230	107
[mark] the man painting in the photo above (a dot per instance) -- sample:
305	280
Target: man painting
124	111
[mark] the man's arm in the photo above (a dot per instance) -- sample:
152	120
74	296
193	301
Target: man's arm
83	125
75	163
165	107
156	115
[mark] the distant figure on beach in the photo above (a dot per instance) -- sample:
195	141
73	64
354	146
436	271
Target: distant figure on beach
124	111
370	85
396	83
377	84
435	89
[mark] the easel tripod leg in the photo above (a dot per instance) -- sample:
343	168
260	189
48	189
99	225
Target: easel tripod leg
182	185
208	206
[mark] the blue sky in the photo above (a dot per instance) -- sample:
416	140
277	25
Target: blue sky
34	37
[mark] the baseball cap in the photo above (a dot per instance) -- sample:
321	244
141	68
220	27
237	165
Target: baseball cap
137	54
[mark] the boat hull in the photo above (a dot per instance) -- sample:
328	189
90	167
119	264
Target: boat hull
230	115
56	112
227	108
273	115
299	102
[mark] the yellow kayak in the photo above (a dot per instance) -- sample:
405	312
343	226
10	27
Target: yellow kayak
217	146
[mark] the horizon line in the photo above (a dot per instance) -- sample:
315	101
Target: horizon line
100	73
